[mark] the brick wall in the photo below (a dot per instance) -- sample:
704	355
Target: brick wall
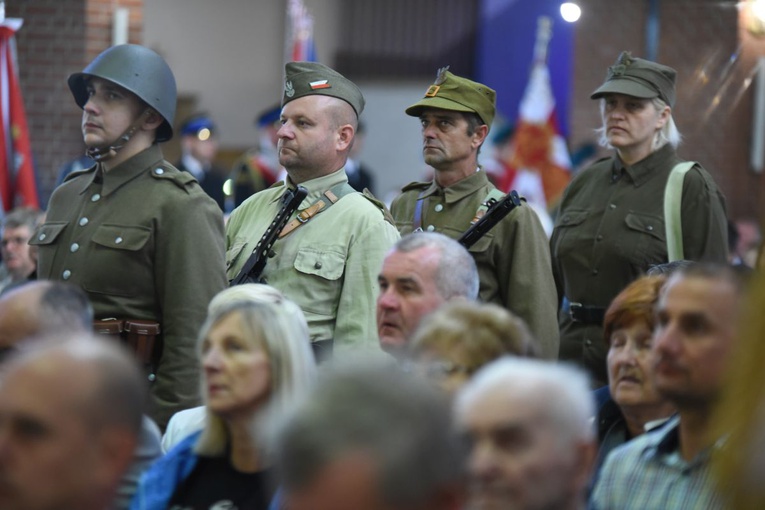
699	39
60	37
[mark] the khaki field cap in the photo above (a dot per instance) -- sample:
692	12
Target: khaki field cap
311	78
639	78
452	92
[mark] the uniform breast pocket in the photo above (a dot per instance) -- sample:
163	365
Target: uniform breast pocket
321	268
46	239
233	254
121	261
645	242
569	234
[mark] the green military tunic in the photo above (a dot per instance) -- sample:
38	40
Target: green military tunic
328	266
145	242
610	230
513	259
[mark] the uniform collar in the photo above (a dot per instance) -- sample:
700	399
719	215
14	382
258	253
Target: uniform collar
317	187
125	171
646	168
460	189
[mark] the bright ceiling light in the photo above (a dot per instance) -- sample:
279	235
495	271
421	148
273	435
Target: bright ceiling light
570	12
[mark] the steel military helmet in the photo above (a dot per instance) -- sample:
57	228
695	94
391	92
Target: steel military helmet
138	70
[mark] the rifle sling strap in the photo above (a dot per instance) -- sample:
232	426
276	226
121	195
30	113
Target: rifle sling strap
332	195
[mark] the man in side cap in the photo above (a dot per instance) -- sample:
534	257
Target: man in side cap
326	260
199	146
513	258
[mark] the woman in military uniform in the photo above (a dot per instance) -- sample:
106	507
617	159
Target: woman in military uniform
139	236
611	224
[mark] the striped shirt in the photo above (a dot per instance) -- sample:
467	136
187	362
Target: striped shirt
648	473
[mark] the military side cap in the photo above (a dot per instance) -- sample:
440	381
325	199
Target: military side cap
641	78
200	126
311	78
451	92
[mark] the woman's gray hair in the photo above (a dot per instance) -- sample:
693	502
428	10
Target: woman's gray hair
267	317
668	134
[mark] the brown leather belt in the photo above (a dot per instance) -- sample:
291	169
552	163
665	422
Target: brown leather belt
138	335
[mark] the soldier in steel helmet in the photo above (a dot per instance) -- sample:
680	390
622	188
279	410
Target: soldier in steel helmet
139	236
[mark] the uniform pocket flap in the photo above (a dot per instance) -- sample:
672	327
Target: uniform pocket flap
327	264
571	218
47	233
234	250
131	238
650	225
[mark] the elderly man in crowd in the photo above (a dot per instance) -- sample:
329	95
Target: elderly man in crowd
371	438
533	444
694	336
70	415
421	272
19	262
326	259
47	308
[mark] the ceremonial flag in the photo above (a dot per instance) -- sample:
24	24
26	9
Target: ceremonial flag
540	156
17	178
299	47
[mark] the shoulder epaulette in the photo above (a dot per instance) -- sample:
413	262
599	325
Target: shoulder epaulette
415	185
172	174
380	205
77	173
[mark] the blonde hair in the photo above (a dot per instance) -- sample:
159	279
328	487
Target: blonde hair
483	331
280	328
668	134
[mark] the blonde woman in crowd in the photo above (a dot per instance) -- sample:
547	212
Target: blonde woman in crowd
256	359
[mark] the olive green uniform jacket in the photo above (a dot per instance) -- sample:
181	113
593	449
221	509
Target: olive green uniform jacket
328	266
144	242
513	258
610	231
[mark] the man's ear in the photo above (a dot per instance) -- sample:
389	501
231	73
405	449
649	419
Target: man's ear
480	135
152	120
345	135
116	447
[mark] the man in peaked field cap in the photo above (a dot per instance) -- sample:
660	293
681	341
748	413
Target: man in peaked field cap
325	260
513	258
138	235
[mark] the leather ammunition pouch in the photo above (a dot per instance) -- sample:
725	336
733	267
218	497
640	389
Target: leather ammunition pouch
137	335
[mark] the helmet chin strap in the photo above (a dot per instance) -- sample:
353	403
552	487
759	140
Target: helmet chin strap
107	152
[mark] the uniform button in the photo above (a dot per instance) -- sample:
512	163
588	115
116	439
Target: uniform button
649	227
118	240
599	238
317	265
152	377
95	198
74	247
83	222
41	237
588	342
66	274
159	171
439	207
430	228
612	206
595	271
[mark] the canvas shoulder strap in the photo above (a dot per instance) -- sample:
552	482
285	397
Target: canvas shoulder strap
673	198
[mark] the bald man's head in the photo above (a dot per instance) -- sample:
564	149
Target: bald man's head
70	410
41	308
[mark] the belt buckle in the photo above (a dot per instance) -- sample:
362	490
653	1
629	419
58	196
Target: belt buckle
573	308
